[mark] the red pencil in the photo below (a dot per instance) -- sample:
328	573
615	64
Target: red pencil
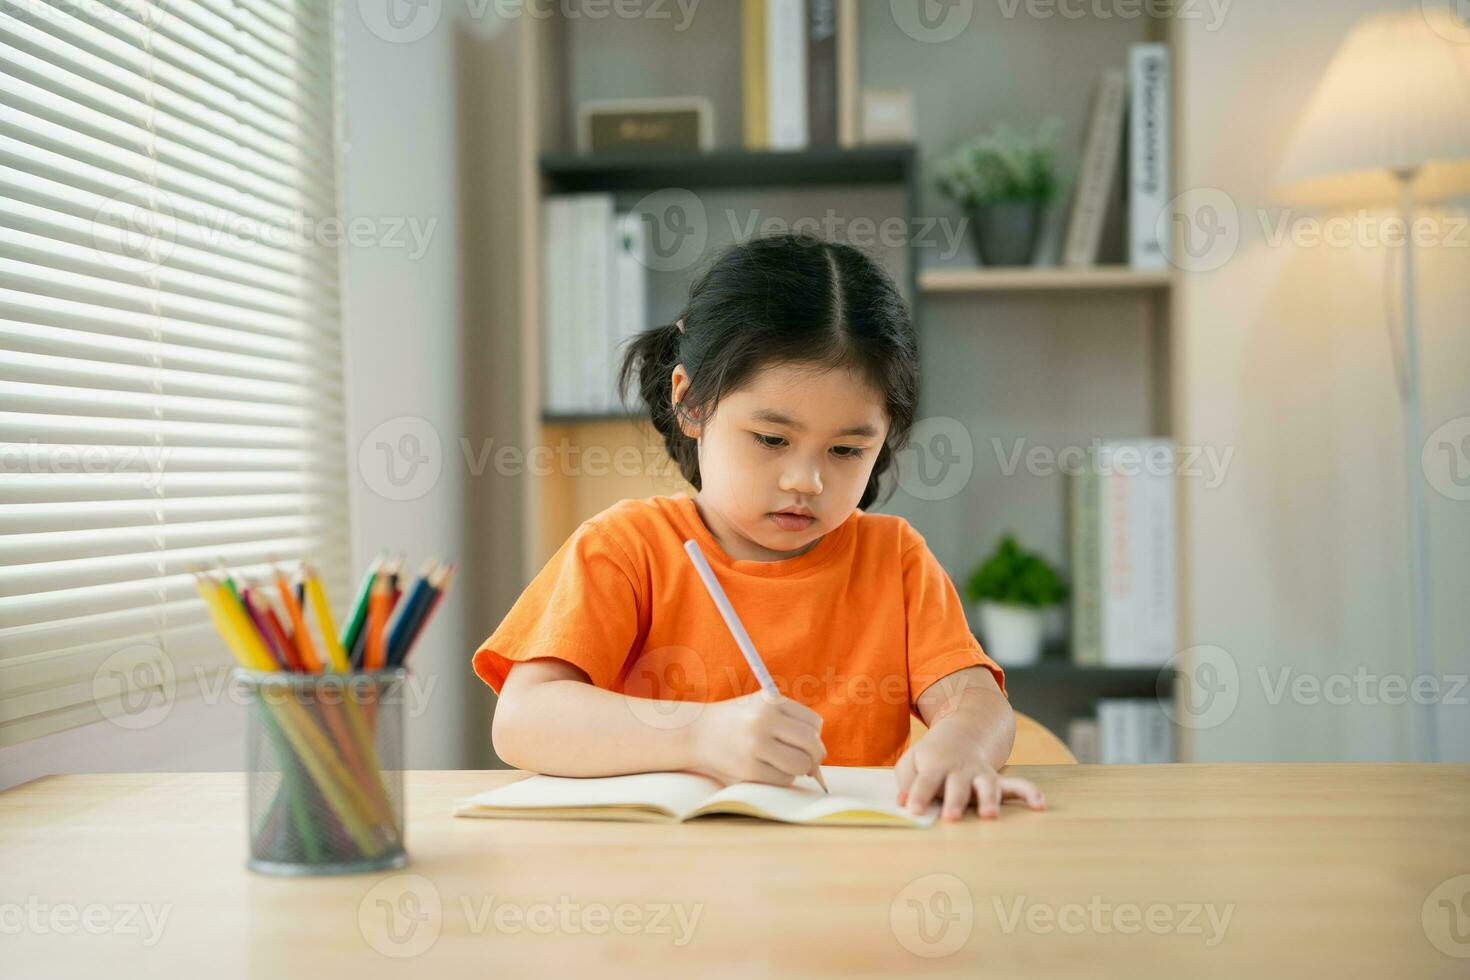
256	615
273	623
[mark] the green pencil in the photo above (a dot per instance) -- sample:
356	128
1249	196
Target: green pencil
359	607
224	571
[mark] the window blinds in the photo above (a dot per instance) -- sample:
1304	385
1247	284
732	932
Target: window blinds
170	348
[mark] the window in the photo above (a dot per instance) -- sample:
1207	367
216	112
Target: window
170	344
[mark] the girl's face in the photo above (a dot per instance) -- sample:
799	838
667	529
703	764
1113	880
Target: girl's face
796	437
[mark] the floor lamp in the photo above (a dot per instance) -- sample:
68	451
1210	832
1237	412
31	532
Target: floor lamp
1389	124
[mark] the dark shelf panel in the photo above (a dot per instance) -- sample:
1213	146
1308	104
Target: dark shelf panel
1055	669
649	170
1066	671
575	418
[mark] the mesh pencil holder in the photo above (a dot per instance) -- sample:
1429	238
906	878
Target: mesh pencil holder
325	771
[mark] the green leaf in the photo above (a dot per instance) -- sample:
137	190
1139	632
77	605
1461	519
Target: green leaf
1015	576
1002	164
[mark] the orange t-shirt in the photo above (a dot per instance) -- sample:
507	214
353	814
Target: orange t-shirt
856	628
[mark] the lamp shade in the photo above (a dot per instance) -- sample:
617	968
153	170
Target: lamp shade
1395	96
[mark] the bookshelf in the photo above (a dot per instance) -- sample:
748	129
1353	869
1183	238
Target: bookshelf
740	170
1103	335
815	166
1073	689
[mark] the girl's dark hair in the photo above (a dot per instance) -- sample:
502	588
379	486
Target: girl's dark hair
778	300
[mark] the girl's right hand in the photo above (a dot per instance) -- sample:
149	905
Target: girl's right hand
758	738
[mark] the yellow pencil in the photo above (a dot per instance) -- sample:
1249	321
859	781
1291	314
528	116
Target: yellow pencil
229	620
317	596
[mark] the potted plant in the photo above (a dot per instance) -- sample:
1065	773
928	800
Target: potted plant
1004	179
1013	588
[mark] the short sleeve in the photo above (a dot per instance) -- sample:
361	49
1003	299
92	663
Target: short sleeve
582	607
939	637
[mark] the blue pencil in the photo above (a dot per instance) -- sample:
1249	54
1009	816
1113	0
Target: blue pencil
438	585
410	611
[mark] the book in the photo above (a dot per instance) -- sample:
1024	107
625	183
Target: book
1118	521
753	73
859	797
1086	600
558	381
1114	739
830	87
1082	737
1132	731
1098	168
849	95
1158	736
1148	152
1158	572
786	100
821	72
593	300
1123	555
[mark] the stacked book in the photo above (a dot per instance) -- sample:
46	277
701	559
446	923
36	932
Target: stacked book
595	299
1123	560
1139	100
799	73
1126	731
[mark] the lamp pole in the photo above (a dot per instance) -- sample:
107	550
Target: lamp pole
1418	510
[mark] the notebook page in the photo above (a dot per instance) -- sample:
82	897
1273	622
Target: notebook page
859	796
676	793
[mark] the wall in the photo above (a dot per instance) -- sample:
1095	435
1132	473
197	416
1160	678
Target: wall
1298	560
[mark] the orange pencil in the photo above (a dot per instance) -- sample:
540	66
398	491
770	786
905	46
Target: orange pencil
304	647
375	653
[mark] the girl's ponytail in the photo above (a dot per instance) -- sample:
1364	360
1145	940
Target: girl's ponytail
648	364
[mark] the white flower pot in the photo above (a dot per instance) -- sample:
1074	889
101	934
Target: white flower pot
1011	634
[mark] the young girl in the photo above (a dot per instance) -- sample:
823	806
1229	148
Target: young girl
782	394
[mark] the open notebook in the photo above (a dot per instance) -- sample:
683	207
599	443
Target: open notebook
859	796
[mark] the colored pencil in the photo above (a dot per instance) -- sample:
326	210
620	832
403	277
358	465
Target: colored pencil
288	645
438	585
325	768
373	652
359	643
233	626
410	611
257	620
319	605
394	586
226	578
304	647
359	606
332	802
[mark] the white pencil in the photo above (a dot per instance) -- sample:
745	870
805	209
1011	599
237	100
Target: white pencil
737	630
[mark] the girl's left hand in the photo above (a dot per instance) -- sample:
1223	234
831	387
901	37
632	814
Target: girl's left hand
948	760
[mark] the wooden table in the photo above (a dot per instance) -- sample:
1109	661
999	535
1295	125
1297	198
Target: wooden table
1173	871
